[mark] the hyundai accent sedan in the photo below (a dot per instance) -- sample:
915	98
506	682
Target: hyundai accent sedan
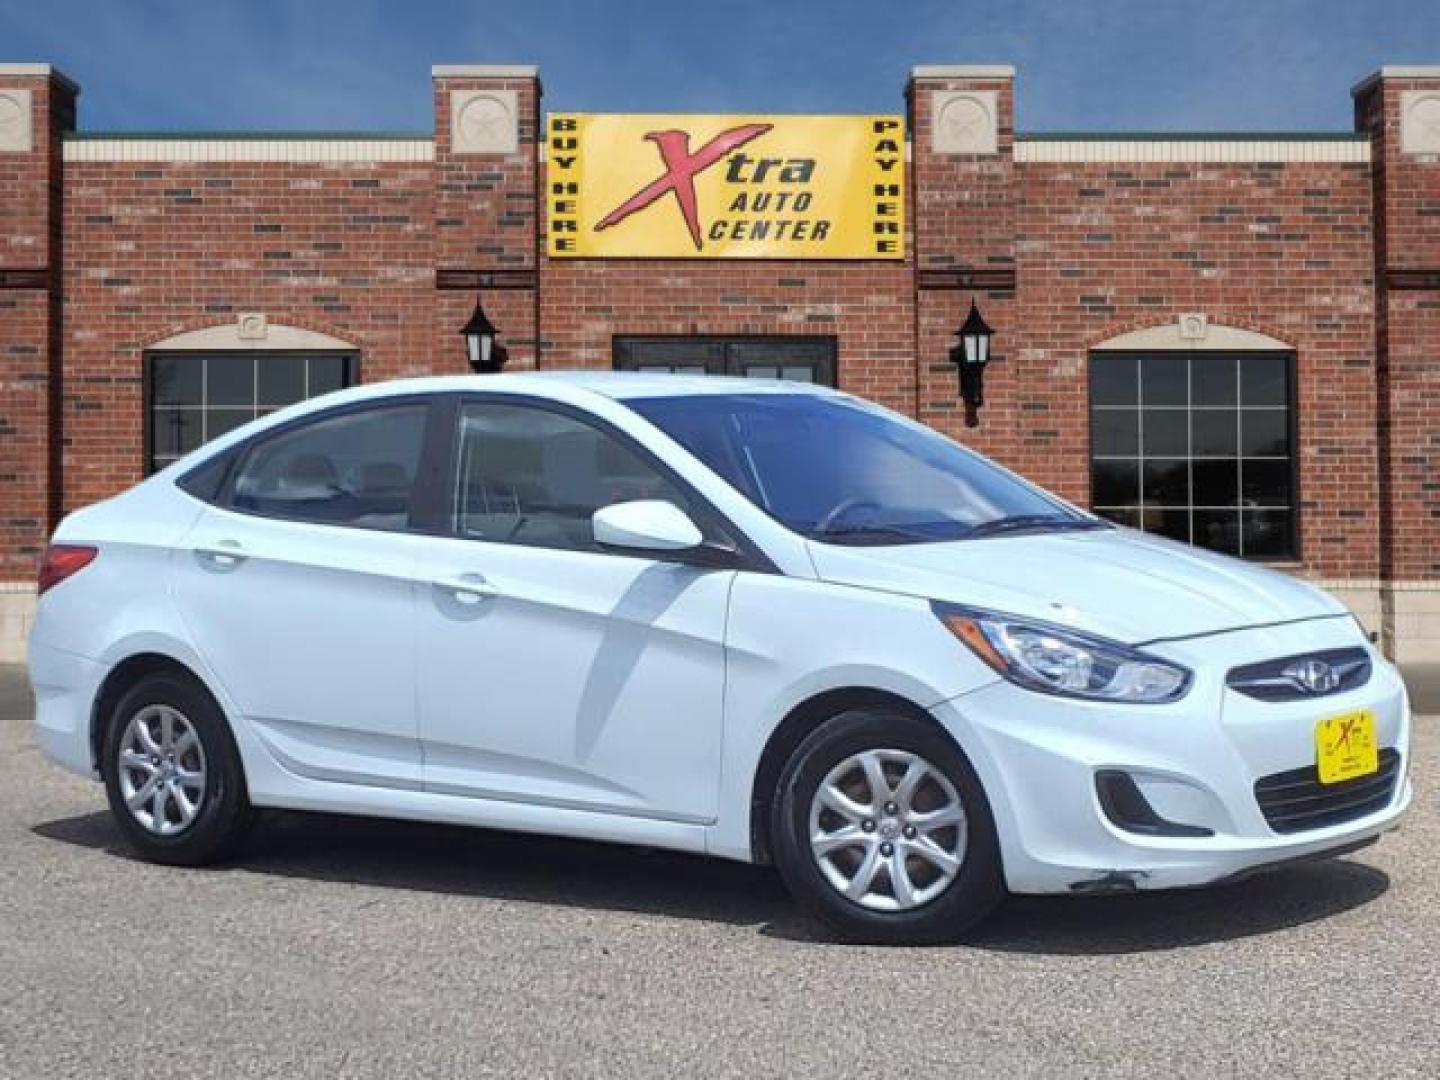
756	620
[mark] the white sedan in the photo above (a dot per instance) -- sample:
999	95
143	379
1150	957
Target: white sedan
757	620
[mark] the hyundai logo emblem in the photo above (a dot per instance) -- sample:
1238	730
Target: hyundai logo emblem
1314	676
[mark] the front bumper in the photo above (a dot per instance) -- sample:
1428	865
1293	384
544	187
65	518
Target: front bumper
1195	761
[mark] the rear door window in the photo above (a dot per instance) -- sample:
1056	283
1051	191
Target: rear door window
357	468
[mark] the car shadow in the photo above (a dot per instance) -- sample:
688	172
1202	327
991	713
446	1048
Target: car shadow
645	881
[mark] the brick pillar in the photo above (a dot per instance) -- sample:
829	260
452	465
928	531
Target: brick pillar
486	206
37	105
963	188
1400	108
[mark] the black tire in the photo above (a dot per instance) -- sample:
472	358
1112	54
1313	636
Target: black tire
978	886
224	810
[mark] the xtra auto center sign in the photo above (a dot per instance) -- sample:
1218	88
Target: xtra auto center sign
731	187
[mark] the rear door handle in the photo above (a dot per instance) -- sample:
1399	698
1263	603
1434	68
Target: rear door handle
222	555
467	588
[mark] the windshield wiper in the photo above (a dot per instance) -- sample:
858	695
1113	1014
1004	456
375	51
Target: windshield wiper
859	534
1035	523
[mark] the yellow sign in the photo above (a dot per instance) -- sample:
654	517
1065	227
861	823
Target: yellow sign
1345	747
726	187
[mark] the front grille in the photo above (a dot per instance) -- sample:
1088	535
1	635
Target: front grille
1296	801
1273	680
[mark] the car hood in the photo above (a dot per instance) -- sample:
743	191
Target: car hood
1118	583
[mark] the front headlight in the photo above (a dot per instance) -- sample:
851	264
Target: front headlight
1054	660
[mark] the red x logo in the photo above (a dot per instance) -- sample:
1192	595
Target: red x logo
681	168
1346	730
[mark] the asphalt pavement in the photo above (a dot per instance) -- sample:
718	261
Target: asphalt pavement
336	947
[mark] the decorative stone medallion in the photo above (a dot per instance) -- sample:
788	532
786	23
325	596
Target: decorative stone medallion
15	127
1194	326
252	326
965	122
484	122
1420	121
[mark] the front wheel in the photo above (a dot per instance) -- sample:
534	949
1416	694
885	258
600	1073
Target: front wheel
883	831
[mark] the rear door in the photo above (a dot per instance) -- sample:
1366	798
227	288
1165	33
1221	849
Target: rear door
551	671
298	591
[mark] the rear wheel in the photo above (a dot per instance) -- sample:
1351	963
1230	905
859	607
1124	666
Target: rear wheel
172	773
882	830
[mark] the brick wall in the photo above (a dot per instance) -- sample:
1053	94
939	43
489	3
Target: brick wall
30	358
1407	201
1407	257
157	248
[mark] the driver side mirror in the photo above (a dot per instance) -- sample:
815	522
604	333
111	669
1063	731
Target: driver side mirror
645	525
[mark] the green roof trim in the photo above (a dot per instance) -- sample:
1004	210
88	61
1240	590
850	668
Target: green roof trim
251	136
1191	136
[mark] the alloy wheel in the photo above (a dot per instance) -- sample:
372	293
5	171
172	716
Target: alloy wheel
161	770
888	830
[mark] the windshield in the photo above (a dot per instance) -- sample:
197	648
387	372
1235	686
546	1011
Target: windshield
843	471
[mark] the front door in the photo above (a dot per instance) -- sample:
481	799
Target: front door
549	670
801	359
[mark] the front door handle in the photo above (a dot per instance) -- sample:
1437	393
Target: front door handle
223	555
467	588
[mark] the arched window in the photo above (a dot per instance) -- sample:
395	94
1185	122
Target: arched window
1196	441
202	384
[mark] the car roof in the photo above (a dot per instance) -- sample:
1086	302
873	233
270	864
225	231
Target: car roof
616	385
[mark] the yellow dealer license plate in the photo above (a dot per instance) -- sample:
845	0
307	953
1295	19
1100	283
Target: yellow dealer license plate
1345	747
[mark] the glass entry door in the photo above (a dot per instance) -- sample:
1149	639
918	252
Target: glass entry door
801	359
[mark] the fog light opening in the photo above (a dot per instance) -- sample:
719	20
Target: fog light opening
1126	807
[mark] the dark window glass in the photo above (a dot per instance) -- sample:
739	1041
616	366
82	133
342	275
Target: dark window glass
195	397
797	359
1213	382
1114	380
1264	432
1217	483
282	381
1172	523
230	382
1207	458
174	432
1214	433
1116	432
1264	381
1165	433
1166	482
176	381
1163	381
204	481
1218	530
1129	516
535	477
358	468
1265	482
222	421
328	373
1116	483
1268	533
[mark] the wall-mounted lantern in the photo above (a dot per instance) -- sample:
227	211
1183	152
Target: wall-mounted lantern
484	353
970	356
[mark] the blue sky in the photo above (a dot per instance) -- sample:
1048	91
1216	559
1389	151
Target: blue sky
364	64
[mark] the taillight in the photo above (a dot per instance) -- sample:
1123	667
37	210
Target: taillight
62	560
